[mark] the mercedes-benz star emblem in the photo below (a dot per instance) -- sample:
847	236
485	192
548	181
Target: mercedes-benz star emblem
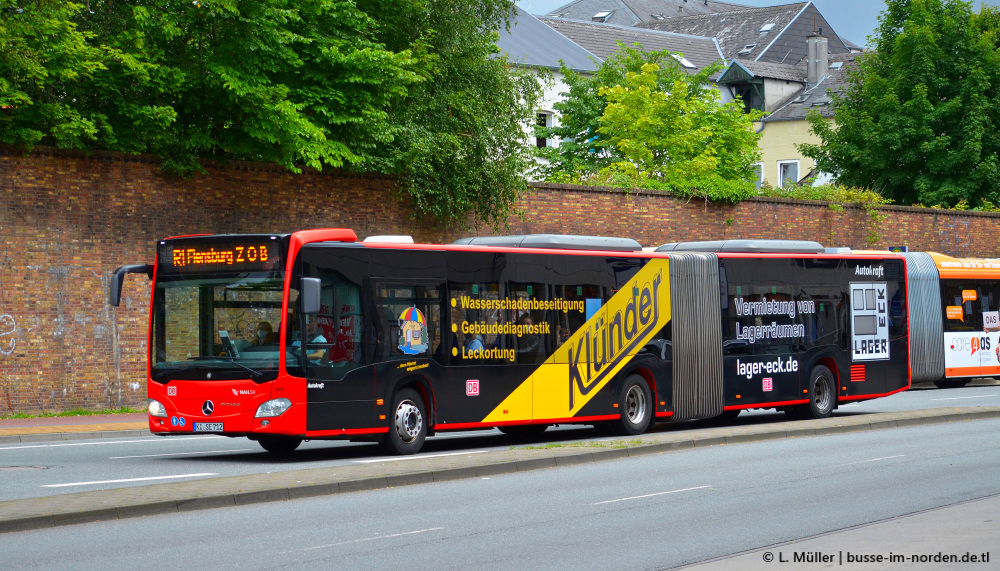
207	407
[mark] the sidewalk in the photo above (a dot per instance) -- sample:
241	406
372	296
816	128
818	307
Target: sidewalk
18	430
120	503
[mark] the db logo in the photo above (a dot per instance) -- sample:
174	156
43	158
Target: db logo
768	384
171	391
472	388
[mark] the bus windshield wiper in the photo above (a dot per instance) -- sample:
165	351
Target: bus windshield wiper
232	360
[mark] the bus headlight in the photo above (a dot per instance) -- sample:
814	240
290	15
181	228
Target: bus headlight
156	408
275	407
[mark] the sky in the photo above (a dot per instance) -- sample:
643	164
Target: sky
853	20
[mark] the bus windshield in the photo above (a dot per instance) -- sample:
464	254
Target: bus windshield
217	327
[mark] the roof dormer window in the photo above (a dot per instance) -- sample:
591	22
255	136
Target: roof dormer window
747	49
684	61
602	16
766	28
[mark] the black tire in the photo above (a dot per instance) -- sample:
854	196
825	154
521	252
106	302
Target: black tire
822	396
408	424
523	431
951	383
636	407
279	444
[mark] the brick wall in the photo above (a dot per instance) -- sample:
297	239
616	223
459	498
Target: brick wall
68	220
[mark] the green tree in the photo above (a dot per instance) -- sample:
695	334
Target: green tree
43	57
919	119
460	146
410	88
642	121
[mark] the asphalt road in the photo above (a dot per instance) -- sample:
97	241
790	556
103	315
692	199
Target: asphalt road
41	469
649	512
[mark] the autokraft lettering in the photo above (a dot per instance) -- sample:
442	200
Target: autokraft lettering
870	271
770	367
604	343
315	385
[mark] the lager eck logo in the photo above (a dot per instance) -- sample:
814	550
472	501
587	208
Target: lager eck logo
606	339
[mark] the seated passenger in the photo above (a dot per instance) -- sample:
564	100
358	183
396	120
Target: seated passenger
315	337
265	334
528	342
474	342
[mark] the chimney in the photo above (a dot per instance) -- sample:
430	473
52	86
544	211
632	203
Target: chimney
818	58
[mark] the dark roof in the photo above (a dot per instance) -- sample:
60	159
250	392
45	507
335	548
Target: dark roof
531	43
781	41
768	70
816	96
601	40
631	12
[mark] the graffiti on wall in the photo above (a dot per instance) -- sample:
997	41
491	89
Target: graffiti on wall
8	327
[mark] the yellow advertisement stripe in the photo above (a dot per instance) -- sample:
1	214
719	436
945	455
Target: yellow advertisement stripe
595	353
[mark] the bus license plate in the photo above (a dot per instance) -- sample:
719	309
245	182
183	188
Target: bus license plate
206	427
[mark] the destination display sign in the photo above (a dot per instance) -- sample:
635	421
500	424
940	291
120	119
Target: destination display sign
250	254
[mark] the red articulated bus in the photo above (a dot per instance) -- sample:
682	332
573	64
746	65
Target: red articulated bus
314	335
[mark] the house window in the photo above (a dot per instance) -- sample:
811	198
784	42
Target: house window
543	120
788	173
751	94
758	171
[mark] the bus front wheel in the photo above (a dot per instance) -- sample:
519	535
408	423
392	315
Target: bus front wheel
279	444
408	427
636	408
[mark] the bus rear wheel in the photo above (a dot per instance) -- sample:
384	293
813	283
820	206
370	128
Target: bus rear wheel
822	396
279	444
951	384
408	428
636	408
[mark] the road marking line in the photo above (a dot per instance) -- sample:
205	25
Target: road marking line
362	540
417	457
872	460
158	439
651	495
181	454
974	397
131	480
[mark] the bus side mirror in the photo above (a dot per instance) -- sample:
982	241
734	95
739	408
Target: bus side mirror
310	295
115	287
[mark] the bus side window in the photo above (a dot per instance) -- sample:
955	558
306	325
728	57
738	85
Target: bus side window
411	320
534	331
331	340
475	318
581	301
960	312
